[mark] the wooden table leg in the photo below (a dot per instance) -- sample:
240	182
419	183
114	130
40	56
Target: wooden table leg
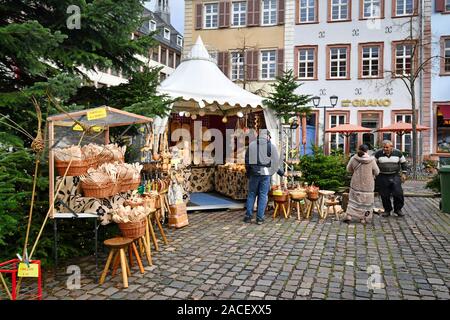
106	269
276	210
283	206
299	217
148	253
116	263
124	268
152	234
138	259
162	231
130	254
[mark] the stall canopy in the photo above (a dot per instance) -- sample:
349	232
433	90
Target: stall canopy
199	83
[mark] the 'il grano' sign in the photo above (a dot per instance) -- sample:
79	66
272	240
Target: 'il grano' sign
367	103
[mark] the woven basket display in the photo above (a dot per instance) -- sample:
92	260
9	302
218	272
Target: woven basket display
98	191
133	230
130	184
77	167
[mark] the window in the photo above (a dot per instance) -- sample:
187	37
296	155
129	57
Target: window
447	5
162	76
307	11
337	140
340	10
445	54
307	63
163	56
372	120
269	12
171	56
403	142
371	60
152	25
339	62
166	33
211	15
177	60
237	66
239	13
372	9
268	64
155	55
403	59
443	129
179	40
214	56
404	7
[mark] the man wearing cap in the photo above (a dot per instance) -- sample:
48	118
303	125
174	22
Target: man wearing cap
261	162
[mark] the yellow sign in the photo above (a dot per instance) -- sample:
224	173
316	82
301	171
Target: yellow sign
28	272
367	103
95	114
96	128
77	127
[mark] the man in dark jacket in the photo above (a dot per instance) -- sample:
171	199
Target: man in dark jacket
261	162
393	167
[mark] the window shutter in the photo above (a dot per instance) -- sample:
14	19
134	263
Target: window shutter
440	5
280	62
281	10
250	13
256	12
227	13
222	14
198	16
251	60
222	62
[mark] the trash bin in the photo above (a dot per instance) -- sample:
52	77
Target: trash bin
444	173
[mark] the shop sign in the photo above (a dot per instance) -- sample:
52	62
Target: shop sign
95	114
367	103
28	271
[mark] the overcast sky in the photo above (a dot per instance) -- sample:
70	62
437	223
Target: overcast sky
176	13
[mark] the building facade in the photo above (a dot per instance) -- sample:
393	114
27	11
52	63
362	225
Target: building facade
166	55
356	50
245	37
440	83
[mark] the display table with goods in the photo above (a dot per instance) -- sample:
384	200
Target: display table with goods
231	181
88	176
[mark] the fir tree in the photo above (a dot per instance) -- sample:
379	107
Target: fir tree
283	99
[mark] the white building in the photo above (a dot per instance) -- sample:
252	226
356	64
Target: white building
166	55
440	79
351	49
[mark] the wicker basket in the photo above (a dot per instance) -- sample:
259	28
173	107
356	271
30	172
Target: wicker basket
97	191
133	230
77	167
313	195
130	184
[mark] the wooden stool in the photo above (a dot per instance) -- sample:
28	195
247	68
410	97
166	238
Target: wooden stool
283	205
333	204
298	203
324	197
310	207
117	246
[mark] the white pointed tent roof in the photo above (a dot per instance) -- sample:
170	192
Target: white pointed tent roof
199	79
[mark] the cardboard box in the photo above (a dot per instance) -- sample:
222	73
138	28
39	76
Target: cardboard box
178	209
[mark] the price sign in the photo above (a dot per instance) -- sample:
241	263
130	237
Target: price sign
31	271
95	114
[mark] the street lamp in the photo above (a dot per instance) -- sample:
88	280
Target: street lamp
333	102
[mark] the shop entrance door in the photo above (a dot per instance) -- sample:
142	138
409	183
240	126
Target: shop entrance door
371	121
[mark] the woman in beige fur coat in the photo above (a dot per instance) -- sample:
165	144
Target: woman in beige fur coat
364	169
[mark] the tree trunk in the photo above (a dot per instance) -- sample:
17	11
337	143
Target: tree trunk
414	130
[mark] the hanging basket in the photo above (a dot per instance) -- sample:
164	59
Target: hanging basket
133	230
76	168
98	191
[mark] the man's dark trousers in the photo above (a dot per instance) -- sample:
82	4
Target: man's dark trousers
387	185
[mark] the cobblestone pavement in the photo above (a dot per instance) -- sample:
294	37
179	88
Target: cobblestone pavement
219	257
412	187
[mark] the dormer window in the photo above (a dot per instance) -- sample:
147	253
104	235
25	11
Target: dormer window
180	41
152	25
166	33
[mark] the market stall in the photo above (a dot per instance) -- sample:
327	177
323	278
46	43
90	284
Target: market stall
88	176
206	96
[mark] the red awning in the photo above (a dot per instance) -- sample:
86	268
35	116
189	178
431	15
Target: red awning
445	110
